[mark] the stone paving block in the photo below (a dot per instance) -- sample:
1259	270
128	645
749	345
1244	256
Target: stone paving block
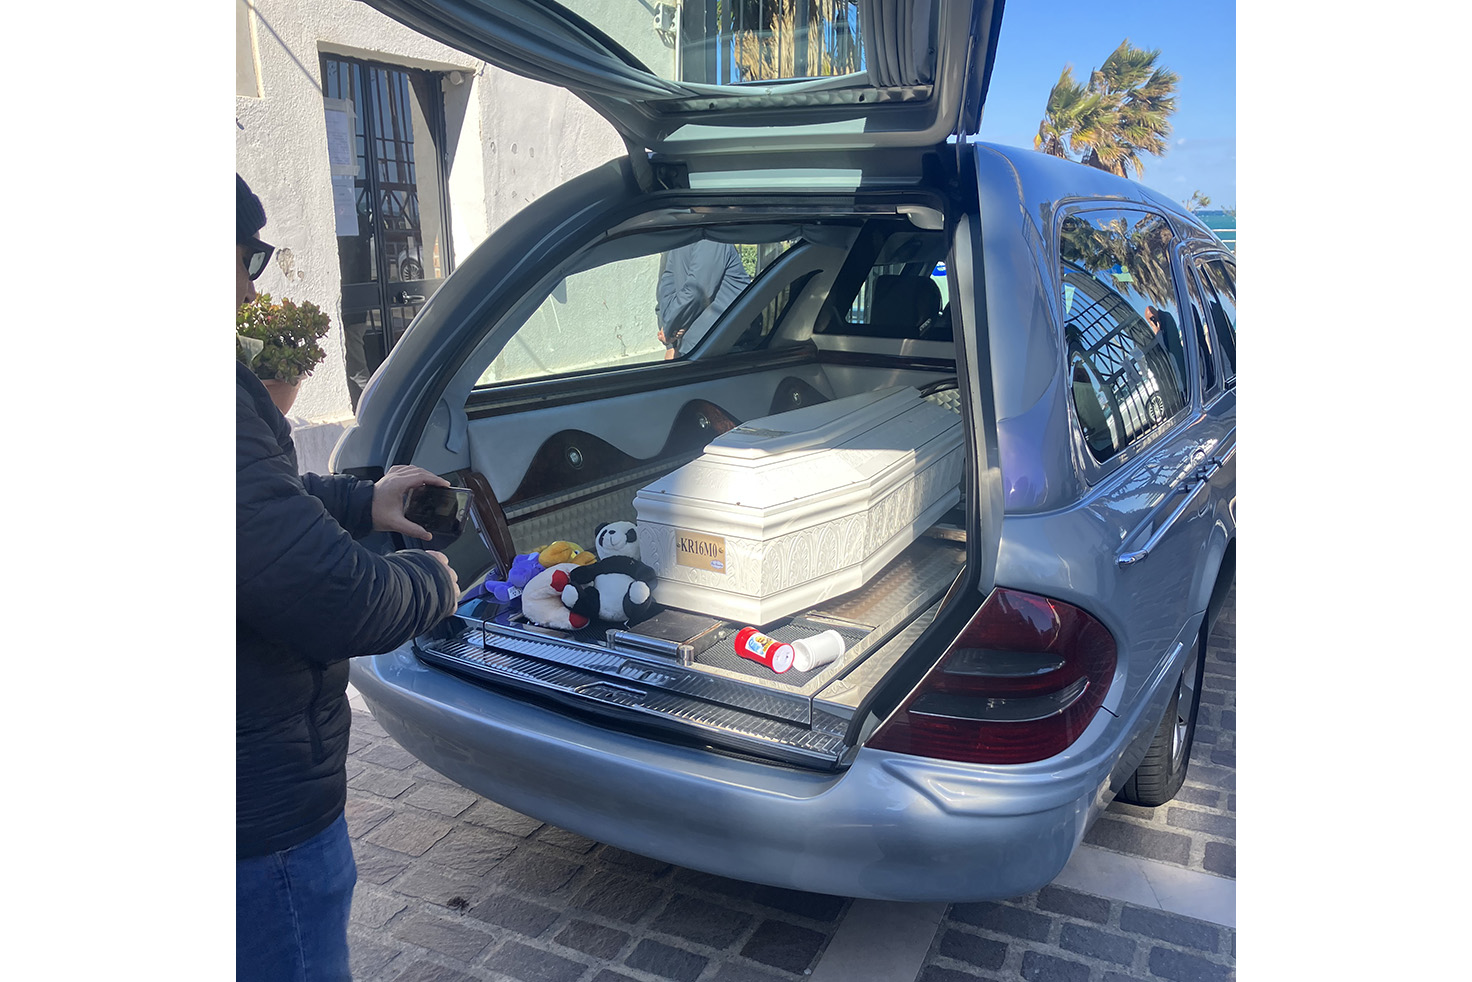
366	957
389	754
711	883
1229	719
528	964
520	916
1168	847
935	973
1189	793
365	725
442	799
373	908
427	971
499	817
377	865
1222	778
972	949
609	975
461	938
1003	919
354	769
617	898
666	961
1133	811
1227	758
1062	900
1231	803
363	814
1178	966
1098	944
409	831
440	885
816	906
1038	967
563	839
701	921
1205	736
785	946
739	971
592	939
1200	821
535	872
382	781
1175	928
357	740
1221	858
473	851
633	861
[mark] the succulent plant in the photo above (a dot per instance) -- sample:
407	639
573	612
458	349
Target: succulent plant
288	333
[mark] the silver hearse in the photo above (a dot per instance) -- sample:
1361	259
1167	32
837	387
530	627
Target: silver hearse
1033	652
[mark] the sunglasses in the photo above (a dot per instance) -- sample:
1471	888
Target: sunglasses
257	254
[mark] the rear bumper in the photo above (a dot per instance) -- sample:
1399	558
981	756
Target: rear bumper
890	827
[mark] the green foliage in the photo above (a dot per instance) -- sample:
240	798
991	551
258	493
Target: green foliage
288	333
1124	111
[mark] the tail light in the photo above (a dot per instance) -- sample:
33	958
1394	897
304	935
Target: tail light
1022	681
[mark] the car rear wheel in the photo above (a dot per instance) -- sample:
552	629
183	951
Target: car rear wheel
1161	773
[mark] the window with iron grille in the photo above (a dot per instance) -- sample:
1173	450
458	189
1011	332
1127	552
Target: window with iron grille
1126	353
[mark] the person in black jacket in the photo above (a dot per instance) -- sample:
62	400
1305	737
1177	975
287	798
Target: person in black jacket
308	597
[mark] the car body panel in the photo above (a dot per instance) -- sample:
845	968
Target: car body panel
1048	519
890	826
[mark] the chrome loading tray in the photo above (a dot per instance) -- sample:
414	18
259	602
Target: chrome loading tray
680	670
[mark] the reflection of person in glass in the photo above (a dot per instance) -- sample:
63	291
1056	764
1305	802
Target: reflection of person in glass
697	283
1163	326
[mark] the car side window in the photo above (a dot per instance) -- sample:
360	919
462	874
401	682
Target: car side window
1201	330
1219	283
633	309
1126	348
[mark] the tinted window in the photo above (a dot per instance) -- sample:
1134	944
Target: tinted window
1219	283
638	309
904	295
1126	349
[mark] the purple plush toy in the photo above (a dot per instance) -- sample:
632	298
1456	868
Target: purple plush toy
523	568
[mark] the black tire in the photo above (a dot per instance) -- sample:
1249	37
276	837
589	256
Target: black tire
1160	775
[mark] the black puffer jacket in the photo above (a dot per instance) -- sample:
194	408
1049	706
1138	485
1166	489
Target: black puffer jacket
308	597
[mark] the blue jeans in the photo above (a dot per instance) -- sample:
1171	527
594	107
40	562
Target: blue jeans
291	911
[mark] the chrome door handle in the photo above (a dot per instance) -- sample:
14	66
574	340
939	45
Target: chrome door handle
1190	492
405	298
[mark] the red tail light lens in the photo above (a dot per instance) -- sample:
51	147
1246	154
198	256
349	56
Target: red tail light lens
1022	681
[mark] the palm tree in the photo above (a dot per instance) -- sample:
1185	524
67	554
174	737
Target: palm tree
767	36
1123	112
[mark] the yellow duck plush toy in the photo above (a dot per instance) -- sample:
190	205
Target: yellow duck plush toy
563	551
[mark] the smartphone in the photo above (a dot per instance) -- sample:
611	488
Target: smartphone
440	511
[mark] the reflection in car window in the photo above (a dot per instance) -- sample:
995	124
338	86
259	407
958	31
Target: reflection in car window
610	316
1126	349
1219	281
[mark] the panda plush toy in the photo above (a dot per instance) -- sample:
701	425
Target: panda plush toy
618	586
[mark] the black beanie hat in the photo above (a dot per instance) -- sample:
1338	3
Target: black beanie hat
250	216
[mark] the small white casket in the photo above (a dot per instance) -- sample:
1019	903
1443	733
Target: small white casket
786	511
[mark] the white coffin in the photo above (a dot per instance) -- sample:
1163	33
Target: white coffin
786	511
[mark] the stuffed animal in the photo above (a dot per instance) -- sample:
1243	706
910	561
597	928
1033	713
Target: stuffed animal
523	568
617	586
563	551
541	599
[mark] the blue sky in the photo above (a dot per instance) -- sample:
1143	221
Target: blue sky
1197	40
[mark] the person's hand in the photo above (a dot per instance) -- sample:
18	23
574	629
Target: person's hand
388	499
455	580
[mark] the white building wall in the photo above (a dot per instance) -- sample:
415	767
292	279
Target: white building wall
510	140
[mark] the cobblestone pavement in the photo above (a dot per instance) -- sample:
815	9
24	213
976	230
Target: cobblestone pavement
454	887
